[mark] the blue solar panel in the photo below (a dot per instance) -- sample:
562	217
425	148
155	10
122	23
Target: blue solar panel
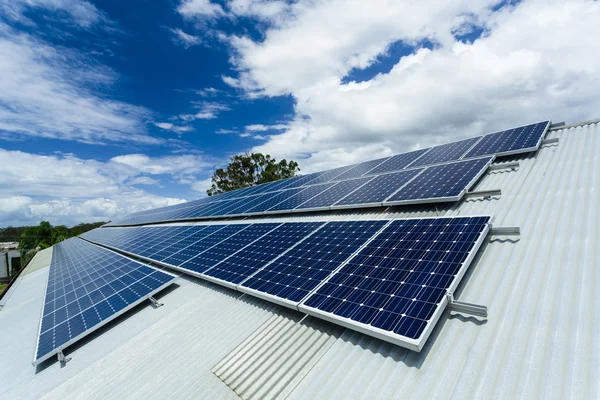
446	152
247	261
379	188
329	175
361	169
213	255
293	275
446	182
512	141
273	199
302	180
87	287
395	287
327	198
218	234
306	194
164	238
250	203
396	162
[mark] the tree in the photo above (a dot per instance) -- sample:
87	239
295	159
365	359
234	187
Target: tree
248	170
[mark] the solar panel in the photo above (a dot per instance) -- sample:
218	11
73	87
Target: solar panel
250	203
395	287
219	234
294	201
329	175
302	180
326	199
361	169
396	162
88	286
220	251
293	275
247	261
512	141
446	152
273	199
378	189
441	183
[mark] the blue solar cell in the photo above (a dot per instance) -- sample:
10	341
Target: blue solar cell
162	239
397	281
204	244
305	194
250	203
207	259
329	175
361	169
294	274
333	194
247	261
379	188
174	246
86	285
302	180
273	199
396	162
446	152
443	182
512	141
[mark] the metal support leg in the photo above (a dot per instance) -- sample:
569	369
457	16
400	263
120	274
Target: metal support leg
509	165
466	308
505	231
155	302
486	194
62	359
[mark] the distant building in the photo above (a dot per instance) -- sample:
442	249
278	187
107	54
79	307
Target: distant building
10	260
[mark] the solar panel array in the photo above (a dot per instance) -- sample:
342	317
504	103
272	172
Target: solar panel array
87	287
386	278
374	275
295	194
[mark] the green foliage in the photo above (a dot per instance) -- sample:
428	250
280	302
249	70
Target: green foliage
248	170
43	235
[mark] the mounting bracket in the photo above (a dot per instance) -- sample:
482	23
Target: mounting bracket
155	302
509	165
550	141
466	308
505	231
62	359
486	194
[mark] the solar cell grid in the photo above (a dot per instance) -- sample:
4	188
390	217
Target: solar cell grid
294	274
398	281
336	192
247	261
207	259
204	243
517	140
361	169
379	188
397	162
329	175
445	152
302	196
178	243
88	286
446	182
274	200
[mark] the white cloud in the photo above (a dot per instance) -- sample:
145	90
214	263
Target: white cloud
206	110
65	189
82	13
538	59
167	126
199	9
55	93
202	186
184	39
264	128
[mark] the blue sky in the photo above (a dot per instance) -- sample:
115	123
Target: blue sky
108	108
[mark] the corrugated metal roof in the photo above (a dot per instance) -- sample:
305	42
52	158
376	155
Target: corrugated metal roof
540	340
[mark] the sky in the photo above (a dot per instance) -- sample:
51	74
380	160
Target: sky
113	107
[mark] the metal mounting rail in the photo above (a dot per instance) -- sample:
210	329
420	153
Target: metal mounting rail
466	308
505	231
512	165
62	359
550	141
486	194
557	125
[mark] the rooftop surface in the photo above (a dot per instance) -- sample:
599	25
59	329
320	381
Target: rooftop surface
539	341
